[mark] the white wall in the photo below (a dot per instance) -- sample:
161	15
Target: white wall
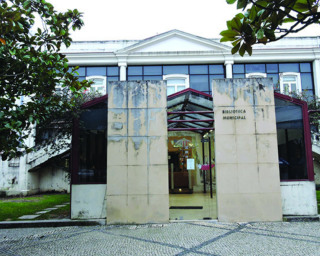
299	198
53	179
89	201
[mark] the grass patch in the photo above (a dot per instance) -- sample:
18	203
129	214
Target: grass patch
60	213
12	208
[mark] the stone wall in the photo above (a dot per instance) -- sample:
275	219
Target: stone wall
137	175
248	182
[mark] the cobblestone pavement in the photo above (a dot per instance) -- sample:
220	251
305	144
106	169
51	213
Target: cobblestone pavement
187	238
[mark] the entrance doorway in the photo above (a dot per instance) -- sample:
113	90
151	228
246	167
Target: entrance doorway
191	172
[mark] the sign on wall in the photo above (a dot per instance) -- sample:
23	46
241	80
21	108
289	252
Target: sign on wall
190	163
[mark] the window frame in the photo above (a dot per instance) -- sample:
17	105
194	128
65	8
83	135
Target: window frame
177	76
306	132
298	81
104	78
250	75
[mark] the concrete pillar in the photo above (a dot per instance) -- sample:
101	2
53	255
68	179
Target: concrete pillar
228	64
137	161
316	76
246	151
123	71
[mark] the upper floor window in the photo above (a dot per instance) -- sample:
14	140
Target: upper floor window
290	82
256	75
176	83
99	84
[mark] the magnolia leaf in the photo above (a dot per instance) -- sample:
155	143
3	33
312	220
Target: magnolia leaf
242	49
227	39
231	1
260	33
229	33
237	41
235	48
249	49
242	4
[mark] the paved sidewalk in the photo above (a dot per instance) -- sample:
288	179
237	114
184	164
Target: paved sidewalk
187	238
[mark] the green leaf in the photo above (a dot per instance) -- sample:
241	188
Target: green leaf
229	33
235	48
253	13
249	49
242	49
231	1
270	34
227	39
242	4
260	33
65	65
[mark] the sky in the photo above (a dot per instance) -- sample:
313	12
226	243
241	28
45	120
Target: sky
140	19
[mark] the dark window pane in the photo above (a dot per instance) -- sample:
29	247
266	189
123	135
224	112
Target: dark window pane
112	71
198	69
134	71
199	82
216	69
238	68
134	78
152	78
289	67
272	68
305	67
152	70
175	70
81	71
238	76
96	71
255	68
306	81
275	78
291	147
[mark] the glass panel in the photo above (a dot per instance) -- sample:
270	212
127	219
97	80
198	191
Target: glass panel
305	67
306	81
272	68
175	81
180	88
238	68
289	78
112	71
133	71
293	87
216	69
253	68
92	156
81	78
134	78
153	78
170	90
152	70
198	69
216	77
275	78
291	147
97	81
199	82
238	76
112	78
96	71
175	70
289	67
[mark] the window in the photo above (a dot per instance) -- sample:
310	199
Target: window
99	84
256	75
290	82
176	83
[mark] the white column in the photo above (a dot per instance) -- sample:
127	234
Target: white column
228	64
316	76
123	71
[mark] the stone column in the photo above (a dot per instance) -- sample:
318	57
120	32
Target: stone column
137	167
246	150
316	76
123	71
228	64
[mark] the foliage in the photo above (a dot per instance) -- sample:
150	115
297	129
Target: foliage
14	208
31	65
264	21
